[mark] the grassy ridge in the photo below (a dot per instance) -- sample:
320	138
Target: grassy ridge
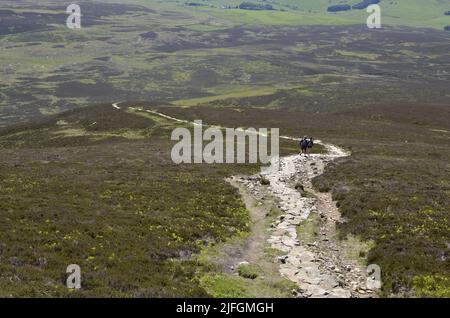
119	208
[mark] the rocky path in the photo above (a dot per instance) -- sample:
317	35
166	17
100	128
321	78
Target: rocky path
321	268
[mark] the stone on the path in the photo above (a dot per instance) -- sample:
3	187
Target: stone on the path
283	259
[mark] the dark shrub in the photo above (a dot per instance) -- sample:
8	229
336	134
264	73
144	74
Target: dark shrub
339	7
364	4
254	6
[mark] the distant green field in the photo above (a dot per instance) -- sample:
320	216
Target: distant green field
416	13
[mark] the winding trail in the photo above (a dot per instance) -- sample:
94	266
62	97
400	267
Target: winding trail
321	268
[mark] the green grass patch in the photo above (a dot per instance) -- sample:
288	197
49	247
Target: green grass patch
243	92
433	286
308	230
249	271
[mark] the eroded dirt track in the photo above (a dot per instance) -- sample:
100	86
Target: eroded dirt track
321	268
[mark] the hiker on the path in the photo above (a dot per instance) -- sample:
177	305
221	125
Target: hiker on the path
306	144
